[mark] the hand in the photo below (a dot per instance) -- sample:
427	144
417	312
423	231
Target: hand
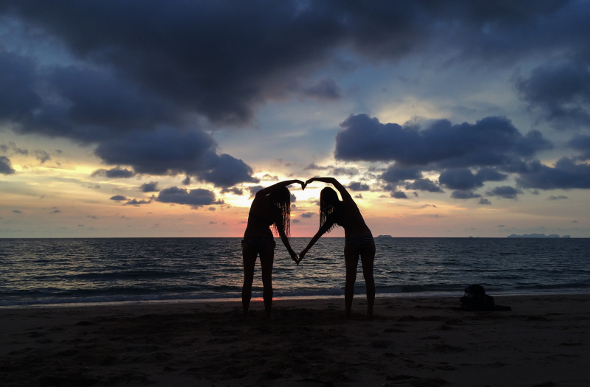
294	257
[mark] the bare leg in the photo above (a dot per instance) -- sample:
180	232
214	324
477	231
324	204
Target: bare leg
249	258
266	262
367	258
351	258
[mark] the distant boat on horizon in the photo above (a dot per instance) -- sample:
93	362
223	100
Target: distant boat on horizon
537	236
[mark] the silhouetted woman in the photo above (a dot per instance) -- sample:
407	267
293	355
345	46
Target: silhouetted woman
358	238
271	207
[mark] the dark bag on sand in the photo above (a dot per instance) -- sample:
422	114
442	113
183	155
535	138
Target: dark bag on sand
475	298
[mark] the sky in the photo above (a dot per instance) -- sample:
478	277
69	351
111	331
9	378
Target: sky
162	118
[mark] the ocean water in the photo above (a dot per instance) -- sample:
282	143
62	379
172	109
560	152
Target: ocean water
65	271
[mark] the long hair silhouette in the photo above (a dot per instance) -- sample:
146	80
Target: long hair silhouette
329	206
280	207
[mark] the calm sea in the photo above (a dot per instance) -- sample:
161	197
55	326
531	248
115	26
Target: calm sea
62	271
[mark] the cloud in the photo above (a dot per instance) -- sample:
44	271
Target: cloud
42	156
491	141
18	79
118	198
6	166
137	203
566	174
399	195
581	143
396	174
424	185
504	191
485	202
464	195
235	191
324	89
464	179
114	173
559	197
11	149
226	171
152	186
254	189
195	198
169	152
225	74
307	215
559	92
356	186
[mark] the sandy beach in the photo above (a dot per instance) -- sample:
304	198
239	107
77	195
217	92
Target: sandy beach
542	341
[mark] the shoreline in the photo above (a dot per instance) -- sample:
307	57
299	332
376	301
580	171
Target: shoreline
412	341
457	295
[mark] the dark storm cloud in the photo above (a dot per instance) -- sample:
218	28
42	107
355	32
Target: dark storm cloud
324	89
396	174
226	171
195	198
223	59
566	174
140	66
460	179
491	141
464	195
424	185
169	152
581	143
114	173
464	179
17	95
234	190
152	186
5	166
504	191
356	186
561	93
100	99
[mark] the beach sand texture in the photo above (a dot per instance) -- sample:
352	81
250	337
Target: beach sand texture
543	341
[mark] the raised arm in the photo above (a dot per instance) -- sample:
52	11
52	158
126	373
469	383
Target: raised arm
285	240
321	231
330	180
267	190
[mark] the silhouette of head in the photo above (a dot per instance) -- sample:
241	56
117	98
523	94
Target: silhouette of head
329	206
280	207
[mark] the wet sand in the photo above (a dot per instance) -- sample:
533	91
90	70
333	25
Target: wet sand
543	341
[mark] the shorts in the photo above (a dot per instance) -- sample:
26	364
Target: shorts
259	244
